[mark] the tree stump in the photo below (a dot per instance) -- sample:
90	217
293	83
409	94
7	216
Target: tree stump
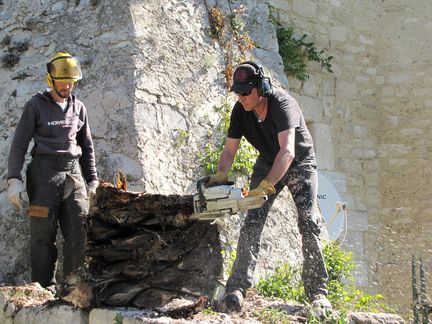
143	250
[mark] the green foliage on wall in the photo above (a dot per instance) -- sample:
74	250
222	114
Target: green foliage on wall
228	29
209	159
296	52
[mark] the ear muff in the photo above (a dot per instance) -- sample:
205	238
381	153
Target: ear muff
264	83
49	81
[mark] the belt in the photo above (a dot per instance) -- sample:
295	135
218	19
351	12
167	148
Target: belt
59	162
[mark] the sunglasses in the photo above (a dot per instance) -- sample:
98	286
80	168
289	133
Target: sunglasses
243	94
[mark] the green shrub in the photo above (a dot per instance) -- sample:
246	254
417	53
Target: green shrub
285	283
342	291
209	159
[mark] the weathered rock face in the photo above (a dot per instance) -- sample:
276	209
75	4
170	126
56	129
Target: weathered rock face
151	75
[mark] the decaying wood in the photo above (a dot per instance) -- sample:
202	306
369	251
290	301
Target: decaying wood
186	311
75	290
143	250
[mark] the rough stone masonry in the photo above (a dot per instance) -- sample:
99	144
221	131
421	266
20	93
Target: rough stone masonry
150	73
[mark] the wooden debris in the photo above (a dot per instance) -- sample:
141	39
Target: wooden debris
76	291
185	311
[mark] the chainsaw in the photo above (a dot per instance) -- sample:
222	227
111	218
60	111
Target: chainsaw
221	200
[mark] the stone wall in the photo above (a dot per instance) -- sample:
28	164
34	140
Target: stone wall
405	147
341	107
372	128
151	75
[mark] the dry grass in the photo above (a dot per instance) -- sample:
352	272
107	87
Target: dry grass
26	295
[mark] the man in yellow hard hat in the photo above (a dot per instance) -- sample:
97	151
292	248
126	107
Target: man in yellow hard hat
61	174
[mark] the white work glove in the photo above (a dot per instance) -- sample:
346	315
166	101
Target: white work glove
14	191
92	186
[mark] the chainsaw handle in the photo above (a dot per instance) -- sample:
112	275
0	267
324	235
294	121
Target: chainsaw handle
203	183
200	184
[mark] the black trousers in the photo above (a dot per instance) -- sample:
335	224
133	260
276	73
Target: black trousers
302	181
57	196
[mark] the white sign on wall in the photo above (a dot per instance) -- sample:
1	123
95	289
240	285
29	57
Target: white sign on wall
332	207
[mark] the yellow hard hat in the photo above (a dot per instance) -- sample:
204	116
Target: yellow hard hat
63	67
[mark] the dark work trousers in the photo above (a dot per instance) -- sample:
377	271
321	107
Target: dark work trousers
302	181
57	196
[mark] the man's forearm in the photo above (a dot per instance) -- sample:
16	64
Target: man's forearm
227	157
280	166
225	161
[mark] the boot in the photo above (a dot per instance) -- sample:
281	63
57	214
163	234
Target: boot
233	301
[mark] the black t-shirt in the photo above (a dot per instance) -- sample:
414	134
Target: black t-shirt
283	113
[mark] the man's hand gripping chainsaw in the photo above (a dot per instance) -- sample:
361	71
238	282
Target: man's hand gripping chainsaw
222	200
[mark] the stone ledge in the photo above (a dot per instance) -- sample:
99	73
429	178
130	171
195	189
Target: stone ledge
31	304
51	315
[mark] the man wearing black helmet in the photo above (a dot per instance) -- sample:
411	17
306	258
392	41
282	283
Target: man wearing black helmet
273	123
63	163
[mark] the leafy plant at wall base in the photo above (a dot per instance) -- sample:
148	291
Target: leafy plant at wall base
118	319
209	159
338	262
342	293
285	283
297	52
209	311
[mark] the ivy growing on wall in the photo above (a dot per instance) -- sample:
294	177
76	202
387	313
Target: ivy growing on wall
246	154
297	51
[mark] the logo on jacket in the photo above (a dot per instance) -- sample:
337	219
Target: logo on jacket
67	122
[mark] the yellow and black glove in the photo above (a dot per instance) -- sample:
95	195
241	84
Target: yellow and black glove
264	188
216	179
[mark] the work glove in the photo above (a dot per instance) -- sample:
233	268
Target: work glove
92	186
264	188
15	188
216	179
